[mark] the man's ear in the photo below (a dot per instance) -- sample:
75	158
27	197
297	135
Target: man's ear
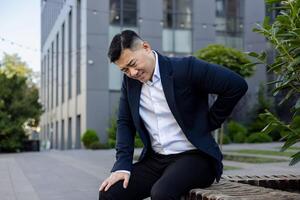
146	45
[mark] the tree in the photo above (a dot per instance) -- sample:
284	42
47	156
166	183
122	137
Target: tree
13	65
18	105
284	35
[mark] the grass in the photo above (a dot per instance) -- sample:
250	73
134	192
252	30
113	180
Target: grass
264	152
291	148
251	159
231	168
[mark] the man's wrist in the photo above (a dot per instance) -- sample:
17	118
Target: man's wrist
125	171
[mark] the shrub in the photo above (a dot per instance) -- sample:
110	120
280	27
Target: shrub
283	34
239	137
227	57
10	145
112	132
112	129
98	145
226	139
90	136
236	131
111	143
258	138
138	142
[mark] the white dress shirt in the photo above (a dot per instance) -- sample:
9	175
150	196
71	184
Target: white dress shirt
165	134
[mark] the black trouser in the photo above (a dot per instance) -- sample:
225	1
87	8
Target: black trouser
164	177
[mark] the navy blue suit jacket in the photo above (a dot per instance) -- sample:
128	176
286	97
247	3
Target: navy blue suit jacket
186	83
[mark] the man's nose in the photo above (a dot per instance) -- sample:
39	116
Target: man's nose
133	72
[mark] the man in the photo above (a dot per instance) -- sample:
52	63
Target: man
165	100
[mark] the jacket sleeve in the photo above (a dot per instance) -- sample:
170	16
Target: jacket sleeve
125	133
213	79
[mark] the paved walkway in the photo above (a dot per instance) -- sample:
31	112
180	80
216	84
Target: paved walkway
76	174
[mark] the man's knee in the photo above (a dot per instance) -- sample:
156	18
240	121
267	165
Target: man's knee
115	192
104	195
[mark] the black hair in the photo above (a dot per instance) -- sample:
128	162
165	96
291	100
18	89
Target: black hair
121	41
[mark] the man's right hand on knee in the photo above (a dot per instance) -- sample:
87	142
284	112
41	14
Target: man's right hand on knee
113	178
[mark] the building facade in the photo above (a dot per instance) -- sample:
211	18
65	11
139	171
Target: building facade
79	87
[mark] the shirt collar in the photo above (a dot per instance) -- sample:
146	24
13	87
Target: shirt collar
156	74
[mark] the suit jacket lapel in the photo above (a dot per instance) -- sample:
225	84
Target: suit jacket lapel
134	95
167	81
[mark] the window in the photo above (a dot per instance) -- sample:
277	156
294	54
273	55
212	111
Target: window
48	79
78	132
69	140
63	63
229	22
78	57
56	135
123	15
123	12
52	74
70	56
57	62
177	34
62	136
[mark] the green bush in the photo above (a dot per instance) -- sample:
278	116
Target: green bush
111	143
112	129
10	145
226	139
90	136
227	57
258	138
98	145
112	132
138	142
239	137
236	132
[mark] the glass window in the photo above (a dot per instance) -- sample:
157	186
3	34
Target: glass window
220	8
115	12
183	41
129	18
177	33
167	13
229	22
168	40
123	15
183	21
115	75
123	12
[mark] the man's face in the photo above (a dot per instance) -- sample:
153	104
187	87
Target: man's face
137	64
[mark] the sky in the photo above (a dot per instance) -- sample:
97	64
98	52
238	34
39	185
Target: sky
20	25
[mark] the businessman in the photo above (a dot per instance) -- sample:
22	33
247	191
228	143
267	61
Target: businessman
165	101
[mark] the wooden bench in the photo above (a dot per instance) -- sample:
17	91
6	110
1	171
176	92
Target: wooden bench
289	183
237	187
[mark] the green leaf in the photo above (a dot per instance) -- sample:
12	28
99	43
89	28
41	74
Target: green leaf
287	96
276	65
294	63
252	64
263	56
296	159
290	141
268	128
254	54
